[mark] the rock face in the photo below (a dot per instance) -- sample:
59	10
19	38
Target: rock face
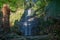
28	23
53	9
53	12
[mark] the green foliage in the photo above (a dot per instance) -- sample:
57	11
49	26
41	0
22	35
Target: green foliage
41	3
14	4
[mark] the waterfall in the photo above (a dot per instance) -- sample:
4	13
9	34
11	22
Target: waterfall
28	22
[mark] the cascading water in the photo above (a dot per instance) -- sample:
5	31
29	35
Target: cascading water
28	23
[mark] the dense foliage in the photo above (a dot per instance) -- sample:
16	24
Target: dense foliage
14	4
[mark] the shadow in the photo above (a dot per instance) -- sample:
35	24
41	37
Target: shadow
2	31
16	28
1	16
